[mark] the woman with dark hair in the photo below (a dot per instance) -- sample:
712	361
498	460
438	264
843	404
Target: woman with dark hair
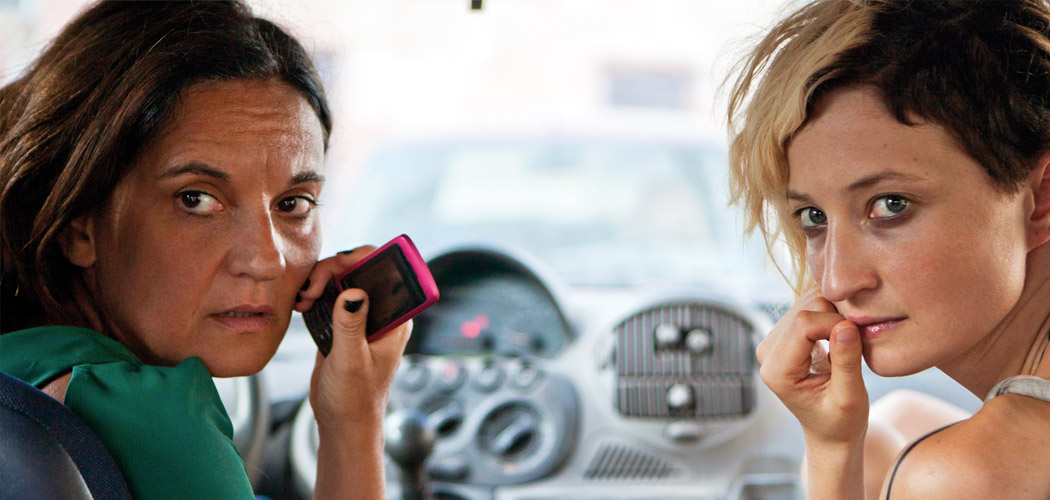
160	164
901	148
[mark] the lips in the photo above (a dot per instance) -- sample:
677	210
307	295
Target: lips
234	314
871	328
245	318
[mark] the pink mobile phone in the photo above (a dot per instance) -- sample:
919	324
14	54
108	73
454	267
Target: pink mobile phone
398	283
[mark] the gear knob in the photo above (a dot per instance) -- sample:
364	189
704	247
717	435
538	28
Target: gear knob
409	442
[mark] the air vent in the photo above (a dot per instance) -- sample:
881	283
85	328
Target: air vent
616	461
711	398
685	360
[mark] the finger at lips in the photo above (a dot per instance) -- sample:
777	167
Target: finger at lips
792	356
810	301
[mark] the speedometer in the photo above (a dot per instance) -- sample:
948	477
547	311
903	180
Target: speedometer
491	309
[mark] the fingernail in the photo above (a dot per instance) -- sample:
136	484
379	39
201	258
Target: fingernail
353	306
298	298
846	335
305	285
344	252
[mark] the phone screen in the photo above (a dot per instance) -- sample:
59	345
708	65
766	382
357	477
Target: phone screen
391	286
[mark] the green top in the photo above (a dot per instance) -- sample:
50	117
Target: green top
165	426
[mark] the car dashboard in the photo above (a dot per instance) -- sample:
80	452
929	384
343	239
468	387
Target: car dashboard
533	393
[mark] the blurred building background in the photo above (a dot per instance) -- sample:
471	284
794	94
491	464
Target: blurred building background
419	67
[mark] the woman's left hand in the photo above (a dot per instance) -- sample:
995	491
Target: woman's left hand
350	387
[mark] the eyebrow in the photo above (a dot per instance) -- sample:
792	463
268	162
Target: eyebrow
195	168
306	177
858	185
209	171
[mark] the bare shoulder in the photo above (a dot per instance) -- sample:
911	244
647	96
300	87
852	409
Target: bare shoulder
1003	451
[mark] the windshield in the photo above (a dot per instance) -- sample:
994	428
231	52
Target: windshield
596	212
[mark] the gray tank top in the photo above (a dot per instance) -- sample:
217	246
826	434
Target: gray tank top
1025	385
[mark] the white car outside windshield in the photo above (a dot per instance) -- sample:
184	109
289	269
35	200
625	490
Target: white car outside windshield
598	212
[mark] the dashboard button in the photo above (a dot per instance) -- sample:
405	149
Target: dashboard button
683	431
680	397
446	419
511	432
450	377
667	336
488	378
526	376
413	376
698	340
514	437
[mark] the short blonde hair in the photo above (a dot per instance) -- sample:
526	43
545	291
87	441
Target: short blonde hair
929	61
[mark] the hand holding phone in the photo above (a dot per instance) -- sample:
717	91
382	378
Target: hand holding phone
398	283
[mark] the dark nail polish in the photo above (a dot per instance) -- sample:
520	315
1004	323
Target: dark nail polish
305	285
298	298
353	306
344	252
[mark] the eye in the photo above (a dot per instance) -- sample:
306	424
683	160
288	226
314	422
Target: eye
887	207
198	202
811	217
296	206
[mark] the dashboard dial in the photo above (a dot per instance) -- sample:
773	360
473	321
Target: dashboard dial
491	305
502	314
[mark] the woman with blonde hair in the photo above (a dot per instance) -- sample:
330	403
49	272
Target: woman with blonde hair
901	149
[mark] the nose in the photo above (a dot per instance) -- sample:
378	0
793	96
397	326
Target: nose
257	250
844	269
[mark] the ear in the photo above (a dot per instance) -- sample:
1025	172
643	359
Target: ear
1039	217
78	241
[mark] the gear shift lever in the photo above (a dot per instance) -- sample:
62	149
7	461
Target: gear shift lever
408	443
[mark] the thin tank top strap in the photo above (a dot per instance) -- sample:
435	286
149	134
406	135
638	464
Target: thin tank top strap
907	450
1025	385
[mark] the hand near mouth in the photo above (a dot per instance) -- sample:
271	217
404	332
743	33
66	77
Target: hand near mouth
825	391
